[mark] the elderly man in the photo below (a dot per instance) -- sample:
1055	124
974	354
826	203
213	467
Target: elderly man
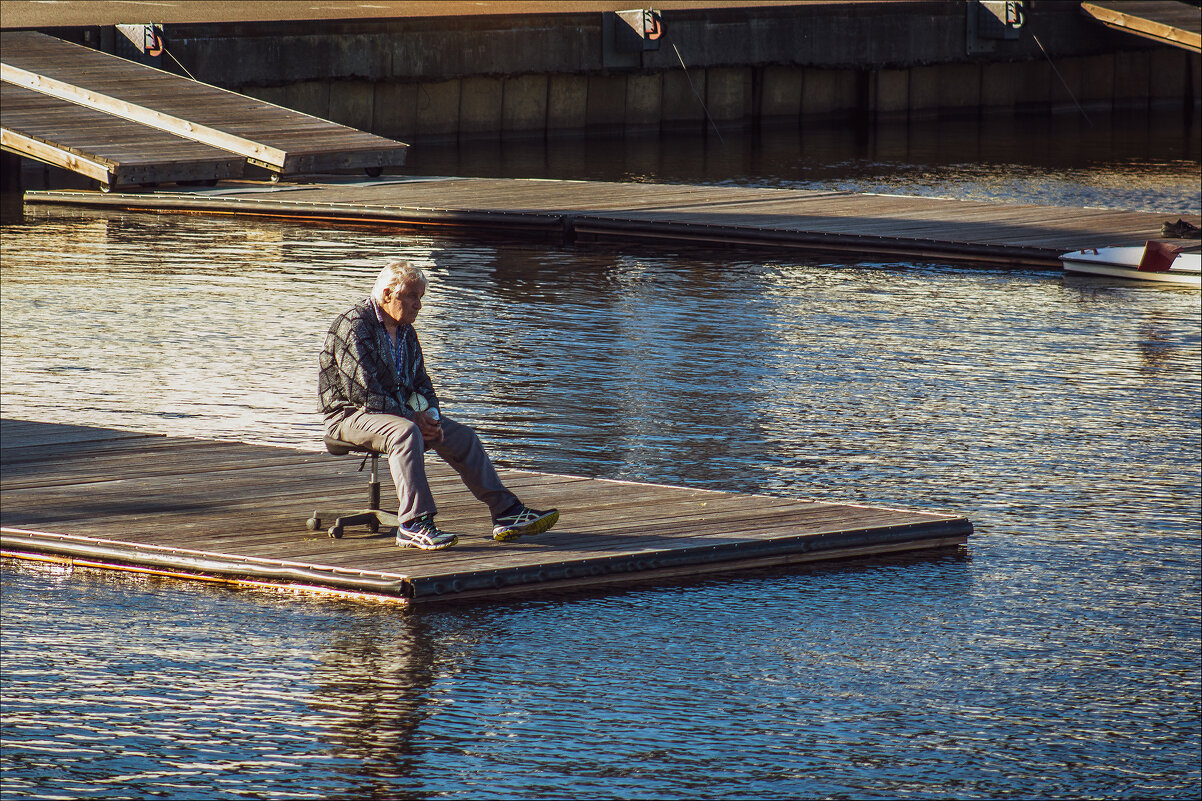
374	391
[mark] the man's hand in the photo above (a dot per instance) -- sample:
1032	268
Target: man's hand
431	429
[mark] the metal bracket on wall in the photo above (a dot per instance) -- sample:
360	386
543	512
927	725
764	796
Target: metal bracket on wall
140	42
990	21
626	35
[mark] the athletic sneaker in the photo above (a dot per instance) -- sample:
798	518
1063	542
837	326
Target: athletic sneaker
523	523
422	533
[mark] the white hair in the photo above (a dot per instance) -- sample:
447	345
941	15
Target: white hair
396	274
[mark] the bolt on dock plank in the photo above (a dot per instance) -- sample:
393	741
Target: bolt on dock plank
862	225
235	513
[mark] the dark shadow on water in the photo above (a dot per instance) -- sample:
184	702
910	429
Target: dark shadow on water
373	688
811	155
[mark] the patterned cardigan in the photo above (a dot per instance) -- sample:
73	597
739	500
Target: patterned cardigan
358	371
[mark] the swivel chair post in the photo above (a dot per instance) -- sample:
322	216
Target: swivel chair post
373	488
373	516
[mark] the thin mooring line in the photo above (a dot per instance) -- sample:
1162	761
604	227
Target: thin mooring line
1062	81
695	93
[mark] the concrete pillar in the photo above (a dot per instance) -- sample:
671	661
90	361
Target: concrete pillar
829	93
959	89
644	101
780	92
1032	84
309	97
924	91
438	109
351	103
1066	81
999	88
728	92
1096	83
480	105
394	110
890	94
606	101
524	103
1169	67
681	108
1131	78
1195	79
567	102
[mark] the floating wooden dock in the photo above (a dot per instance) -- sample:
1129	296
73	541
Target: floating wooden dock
235	513
861	225
1171	23
107	117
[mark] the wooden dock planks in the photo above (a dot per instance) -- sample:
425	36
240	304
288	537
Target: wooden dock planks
110	150
1176	24
229	511
861	225
283	140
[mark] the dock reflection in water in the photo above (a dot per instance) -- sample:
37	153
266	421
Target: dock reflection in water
1057	657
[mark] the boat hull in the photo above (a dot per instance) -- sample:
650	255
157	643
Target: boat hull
1124	263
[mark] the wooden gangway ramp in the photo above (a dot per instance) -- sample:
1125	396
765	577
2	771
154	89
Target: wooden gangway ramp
147	107
235	513
107	149
858	224
1176	24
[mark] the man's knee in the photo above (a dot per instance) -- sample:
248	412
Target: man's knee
459	442
403	433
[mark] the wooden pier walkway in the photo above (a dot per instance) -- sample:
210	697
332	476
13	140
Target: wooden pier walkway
103	112
235	513
847	223
1172	23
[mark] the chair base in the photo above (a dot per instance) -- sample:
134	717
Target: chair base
372	518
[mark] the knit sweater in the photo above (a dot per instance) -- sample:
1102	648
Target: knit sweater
359	373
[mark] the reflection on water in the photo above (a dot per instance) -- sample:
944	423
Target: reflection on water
1138	162
1056	657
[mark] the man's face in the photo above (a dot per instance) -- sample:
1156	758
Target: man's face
404	304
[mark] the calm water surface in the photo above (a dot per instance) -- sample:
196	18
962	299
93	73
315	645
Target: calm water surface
1057	656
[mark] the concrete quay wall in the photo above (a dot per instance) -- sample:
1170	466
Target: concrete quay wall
491	75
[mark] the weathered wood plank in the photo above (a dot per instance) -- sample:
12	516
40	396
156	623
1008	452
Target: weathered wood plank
1176	24
232	509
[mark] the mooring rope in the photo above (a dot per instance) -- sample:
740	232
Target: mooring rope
1062	81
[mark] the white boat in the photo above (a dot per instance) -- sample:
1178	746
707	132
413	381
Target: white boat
1155	261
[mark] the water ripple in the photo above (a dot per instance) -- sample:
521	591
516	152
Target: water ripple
1056	657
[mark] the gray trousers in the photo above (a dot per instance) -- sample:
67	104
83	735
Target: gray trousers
402	441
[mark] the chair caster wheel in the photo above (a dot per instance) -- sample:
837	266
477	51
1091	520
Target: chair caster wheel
336	532
313	523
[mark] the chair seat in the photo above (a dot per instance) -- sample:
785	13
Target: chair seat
373	517
340	447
